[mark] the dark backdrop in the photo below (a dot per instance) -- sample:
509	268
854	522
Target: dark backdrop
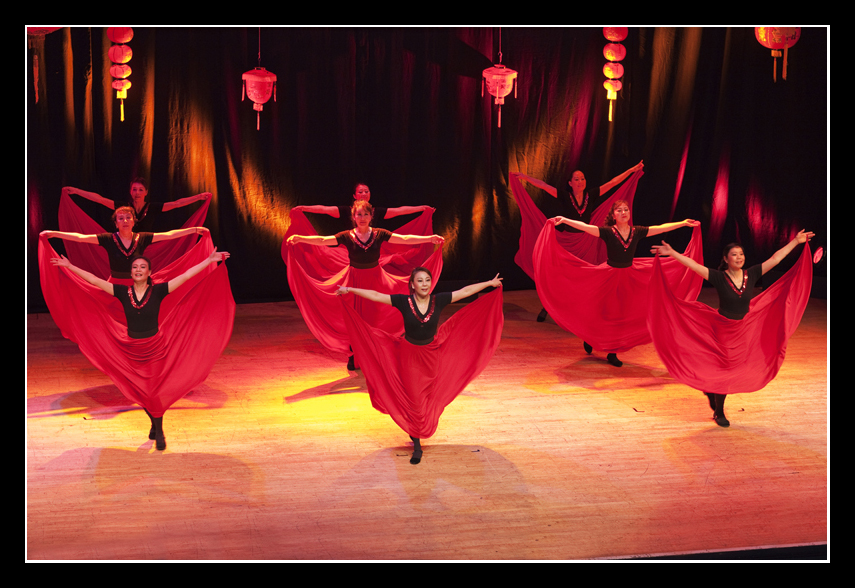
401	110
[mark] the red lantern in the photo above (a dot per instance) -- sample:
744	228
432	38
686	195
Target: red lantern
500	81
120	54
259	84
777	38
613	70
615	34
35	40
614	52
120	34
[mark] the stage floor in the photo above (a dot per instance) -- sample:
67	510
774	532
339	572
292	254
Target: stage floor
550	454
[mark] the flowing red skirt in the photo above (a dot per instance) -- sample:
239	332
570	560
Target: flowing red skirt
315	274
195	325
602	305
712	353
582	245
93	259
414	383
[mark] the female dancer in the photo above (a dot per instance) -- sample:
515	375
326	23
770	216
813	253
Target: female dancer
125	244
314	286
574	201
413	377
395	259
138	199
608	306
741	347
72	219
156	356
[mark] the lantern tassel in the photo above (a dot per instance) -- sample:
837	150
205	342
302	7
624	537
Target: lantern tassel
122	109
784	70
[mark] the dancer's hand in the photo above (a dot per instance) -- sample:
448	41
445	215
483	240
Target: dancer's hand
437	240
663	250
217	256
342	290
61	261
691	223
804	236
496	282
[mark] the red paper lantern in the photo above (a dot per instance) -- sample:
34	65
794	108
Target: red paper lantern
615	34
120	70
613	70
500	80
120	34
120	54
259	84
35	40
777	38
614	52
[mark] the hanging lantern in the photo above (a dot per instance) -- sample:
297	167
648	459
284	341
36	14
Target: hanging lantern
500	81
120	54
259	84
36	40
613	52
777	38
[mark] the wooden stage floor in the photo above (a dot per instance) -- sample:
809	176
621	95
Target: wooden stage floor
549	455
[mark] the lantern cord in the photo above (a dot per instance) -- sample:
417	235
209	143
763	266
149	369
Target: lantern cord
500	44
259	46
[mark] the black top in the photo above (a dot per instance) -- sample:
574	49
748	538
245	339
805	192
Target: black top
420	329
567	206
120	257
142	314
734	300
363	255
621	252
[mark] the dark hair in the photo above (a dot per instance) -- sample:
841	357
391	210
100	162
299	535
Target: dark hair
358	204
148	261
357	184
127	208
141	181
723	265
610	217
413	276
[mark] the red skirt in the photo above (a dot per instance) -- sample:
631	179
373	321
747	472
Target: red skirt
93	258
315	274
712	353
414	383
195	324
582	245
602	305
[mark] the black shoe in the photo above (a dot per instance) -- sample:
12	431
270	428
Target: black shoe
160	441
417	456
542	316
612	359
350	364
588	349
152	433
721	421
